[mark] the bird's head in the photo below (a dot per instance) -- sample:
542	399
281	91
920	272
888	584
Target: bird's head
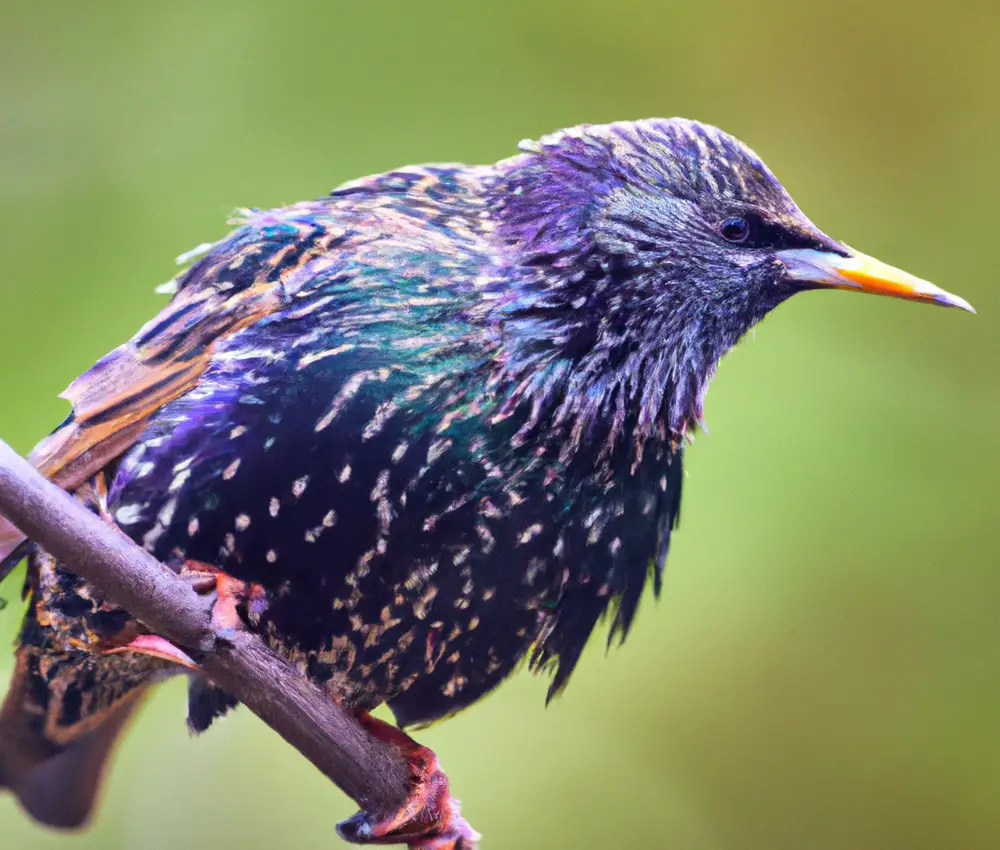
658	244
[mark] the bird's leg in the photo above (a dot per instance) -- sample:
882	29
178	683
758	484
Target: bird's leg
429	819
230	594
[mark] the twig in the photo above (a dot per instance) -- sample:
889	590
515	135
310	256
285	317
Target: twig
370	771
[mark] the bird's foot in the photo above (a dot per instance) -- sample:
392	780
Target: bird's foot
232	597
231	594
429	819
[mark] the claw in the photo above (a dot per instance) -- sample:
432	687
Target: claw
429	819
231	593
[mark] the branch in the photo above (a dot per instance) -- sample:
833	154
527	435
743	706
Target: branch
370	771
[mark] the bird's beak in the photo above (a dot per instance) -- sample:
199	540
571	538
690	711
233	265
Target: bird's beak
862	273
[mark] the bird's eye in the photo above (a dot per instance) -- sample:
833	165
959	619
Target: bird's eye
735	229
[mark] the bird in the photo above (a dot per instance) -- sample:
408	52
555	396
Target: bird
416	434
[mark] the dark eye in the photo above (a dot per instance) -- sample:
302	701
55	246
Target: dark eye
735	229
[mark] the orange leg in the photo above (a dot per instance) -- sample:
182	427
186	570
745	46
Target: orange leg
230	592
204	578
429	819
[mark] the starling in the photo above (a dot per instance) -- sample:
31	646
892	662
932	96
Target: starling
414	434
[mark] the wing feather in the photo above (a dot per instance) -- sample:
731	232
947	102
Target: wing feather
237	284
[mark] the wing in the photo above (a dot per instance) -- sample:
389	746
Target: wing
242	279
271	261
287	431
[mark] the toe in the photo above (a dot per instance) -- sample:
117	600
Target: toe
428	819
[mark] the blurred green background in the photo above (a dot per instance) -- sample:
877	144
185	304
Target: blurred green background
823	670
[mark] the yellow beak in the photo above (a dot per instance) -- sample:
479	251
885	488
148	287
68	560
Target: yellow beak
863	274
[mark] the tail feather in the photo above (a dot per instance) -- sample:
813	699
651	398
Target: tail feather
68	701
56	784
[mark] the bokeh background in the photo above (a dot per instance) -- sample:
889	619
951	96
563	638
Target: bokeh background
823	670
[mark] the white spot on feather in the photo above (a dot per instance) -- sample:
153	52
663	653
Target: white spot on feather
166	514
128	514
179	480
530	532
436	449
344	395
382	415
150	537
309	359
486	538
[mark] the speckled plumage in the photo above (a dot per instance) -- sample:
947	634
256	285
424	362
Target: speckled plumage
367	461
438	415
